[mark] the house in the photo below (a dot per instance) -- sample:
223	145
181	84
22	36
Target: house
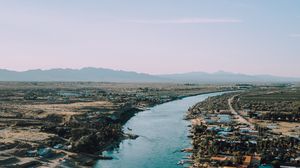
224	134
226	129
224	118
247	161
245	130
219	158
251	161
253	132
209	121
225	112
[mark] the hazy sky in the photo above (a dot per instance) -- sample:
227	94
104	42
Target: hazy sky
152	36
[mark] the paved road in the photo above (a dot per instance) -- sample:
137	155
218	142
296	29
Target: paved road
240	118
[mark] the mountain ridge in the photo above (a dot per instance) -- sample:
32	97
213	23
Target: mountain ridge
109	75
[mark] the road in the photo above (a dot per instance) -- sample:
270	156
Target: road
239	117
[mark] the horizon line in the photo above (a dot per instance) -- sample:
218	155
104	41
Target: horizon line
153	74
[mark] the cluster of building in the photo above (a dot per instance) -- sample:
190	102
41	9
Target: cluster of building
221	140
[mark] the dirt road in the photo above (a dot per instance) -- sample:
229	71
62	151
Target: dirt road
240	118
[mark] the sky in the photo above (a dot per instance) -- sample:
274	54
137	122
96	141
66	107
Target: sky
152	36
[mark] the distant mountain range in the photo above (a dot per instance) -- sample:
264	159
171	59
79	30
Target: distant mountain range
109	75
84	74
227	77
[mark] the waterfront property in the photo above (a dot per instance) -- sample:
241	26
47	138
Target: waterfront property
227	140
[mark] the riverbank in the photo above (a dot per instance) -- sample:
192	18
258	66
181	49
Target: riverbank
72	123
154	147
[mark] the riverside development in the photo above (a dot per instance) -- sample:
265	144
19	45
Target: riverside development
235	130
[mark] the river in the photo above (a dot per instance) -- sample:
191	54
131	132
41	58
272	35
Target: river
163	133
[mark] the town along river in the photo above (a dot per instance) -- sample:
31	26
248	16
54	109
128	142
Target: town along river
163	133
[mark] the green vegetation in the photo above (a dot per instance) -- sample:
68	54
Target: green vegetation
281	103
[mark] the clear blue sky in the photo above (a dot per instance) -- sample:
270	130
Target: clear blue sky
152	36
